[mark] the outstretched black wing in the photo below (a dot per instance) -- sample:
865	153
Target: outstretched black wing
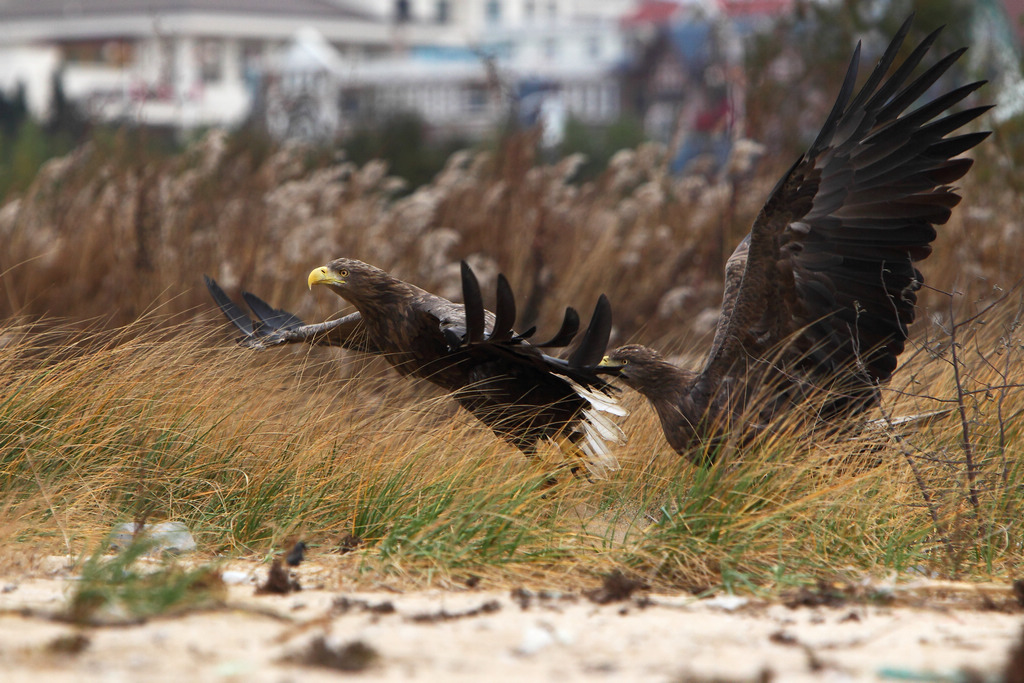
525	394
515	387
274	326
583	364
830	258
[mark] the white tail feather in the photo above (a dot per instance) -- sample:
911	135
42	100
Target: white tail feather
599	430
599	400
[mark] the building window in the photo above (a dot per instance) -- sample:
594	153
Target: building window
529	9
107	52
476	98
168	66
443	14
211	60
552	9
593	47
350	102
550	48
251	61
492	11
402	11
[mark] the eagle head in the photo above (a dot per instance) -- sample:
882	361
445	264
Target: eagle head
357	282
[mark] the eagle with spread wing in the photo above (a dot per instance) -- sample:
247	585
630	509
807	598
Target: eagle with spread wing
819	294
514	387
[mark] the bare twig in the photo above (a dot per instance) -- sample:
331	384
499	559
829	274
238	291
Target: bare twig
965	429
1008	346
926	495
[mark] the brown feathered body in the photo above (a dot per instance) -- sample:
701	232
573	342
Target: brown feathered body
512	386
403	322
819	295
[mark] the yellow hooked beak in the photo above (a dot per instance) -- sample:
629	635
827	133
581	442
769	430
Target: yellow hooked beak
607	362
323	276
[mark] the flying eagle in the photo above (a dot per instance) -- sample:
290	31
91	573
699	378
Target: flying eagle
819	294
509	384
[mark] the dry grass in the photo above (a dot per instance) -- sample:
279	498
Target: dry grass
252	448
135	406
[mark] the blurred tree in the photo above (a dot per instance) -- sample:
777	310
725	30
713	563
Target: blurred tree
29	150
67	123
25	144
13	111
402	139
795	70
599	143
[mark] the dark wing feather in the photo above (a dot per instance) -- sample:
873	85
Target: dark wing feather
274	326
231	311
831	254
502	342
595	340
474	305
520	392
505	318
274	318
566	333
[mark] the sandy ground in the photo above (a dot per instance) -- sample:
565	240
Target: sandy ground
481	635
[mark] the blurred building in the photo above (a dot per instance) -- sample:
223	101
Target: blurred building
319	68
998	28
474	18
174	63
535	60
686	80
313	67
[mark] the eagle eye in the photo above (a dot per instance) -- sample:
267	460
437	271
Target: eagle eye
343	272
